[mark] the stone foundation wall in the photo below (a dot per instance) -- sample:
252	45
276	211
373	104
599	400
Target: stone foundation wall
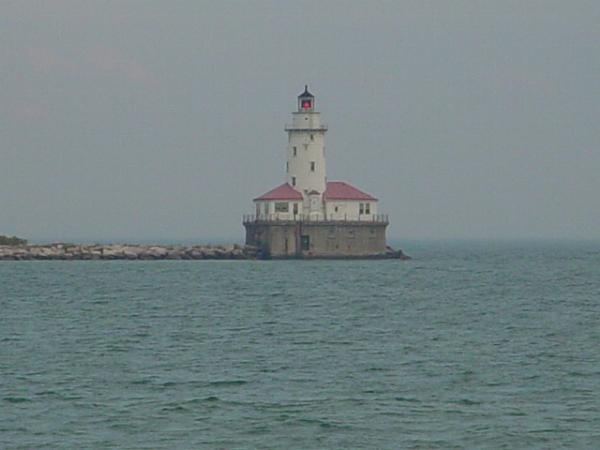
345	239
281	240
318	239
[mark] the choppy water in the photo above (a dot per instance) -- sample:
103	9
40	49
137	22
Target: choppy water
489	345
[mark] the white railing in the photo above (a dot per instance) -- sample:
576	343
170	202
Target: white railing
292	127
275	218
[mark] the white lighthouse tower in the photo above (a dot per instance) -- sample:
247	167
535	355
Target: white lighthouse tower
306	156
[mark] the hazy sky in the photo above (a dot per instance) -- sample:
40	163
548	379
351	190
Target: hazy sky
163	119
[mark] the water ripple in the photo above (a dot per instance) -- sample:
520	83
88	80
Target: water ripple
465	347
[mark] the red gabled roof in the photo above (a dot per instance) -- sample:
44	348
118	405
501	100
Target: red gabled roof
283	192
338	190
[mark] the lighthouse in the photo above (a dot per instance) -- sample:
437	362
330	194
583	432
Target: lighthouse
305	165
308	215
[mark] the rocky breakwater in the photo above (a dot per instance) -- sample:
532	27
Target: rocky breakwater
126	252
390	253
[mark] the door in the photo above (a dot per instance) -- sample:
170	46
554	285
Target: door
304	242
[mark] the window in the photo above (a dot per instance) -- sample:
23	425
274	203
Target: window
282	207
295	208
293	181
312	137
266	206
312	166
295	151
287	166
367	208
257	210
361	208
336	209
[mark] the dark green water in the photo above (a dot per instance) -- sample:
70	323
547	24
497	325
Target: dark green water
470	345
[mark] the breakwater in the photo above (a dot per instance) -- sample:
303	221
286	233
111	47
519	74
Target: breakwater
79	252
126	251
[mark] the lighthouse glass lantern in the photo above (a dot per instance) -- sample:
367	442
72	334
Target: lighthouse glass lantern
306	101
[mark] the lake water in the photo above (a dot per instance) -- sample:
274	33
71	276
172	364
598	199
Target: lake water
469	345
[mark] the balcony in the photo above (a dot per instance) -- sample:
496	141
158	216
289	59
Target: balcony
291	127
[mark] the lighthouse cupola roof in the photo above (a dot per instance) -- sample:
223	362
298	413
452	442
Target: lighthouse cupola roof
306	101
306	93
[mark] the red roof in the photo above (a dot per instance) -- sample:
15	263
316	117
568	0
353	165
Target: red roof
283	192
338	190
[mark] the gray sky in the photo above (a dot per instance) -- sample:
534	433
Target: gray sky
162	120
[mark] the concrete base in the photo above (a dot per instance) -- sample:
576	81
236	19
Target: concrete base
322	239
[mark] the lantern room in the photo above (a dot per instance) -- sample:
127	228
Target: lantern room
306	101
